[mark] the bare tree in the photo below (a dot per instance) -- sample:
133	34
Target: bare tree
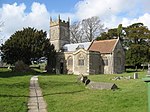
76	32
86	30
92	28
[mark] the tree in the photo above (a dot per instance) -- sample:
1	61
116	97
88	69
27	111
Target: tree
137	54
92	28
137	33
119	30
76	32
26	44
110	34
86	30
137	42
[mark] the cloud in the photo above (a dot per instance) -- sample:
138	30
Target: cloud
15	18
143	19
12	16
103	8
110	12
114	12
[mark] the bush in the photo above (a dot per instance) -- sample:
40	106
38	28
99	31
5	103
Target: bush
20	66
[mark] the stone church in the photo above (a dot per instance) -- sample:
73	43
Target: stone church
96	57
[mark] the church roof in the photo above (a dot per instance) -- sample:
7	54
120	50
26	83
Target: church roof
103	46
74	47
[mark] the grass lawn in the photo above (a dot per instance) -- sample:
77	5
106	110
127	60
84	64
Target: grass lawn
14	91
63	94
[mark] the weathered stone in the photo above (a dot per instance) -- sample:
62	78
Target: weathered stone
36	101
34	110
135	76
102	85
42	105
32	103
87	81
42	110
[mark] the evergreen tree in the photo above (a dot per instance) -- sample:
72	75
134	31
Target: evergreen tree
26	44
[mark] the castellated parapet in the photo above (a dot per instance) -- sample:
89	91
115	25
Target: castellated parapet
59	22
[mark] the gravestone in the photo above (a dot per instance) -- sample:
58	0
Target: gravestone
83	79
96	85
102	85
148	72
135	76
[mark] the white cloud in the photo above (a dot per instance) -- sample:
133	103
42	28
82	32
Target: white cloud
102	8
110	12
143	19
12	16
115	12
15	18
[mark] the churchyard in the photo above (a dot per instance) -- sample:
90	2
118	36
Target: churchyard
64	94
14	90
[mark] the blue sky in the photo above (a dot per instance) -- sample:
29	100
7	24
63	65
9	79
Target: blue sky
17	14
51	5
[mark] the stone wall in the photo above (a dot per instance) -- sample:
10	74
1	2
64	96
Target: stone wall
81	69
108	68
59	33
119	58
95	63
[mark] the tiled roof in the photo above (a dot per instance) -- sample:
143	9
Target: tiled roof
103	46
73	47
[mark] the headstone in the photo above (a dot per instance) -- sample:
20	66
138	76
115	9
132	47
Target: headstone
102	85
87	81
148	72
135	76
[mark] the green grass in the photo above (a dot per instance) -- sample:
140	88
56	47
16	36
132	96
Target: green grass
63	94
14	91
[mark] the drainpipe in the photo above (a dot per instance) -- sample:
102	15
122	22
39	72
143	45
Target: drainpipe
147	80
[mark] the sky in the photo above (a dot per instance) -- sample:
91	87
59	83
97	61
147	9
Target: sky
16	14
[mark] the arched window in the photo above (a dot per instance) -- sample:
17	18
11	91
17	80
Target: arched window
70	61
81	60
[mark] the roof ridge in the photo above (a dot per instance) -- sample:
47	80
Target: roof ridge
105	40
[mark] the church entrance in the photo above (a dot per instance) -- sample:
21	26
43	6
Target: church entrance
61	68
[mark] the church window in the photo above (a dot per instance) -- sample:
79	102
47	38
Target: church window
81	61
70	61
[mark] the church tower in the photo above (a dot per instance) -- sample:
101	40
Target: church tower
59	33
